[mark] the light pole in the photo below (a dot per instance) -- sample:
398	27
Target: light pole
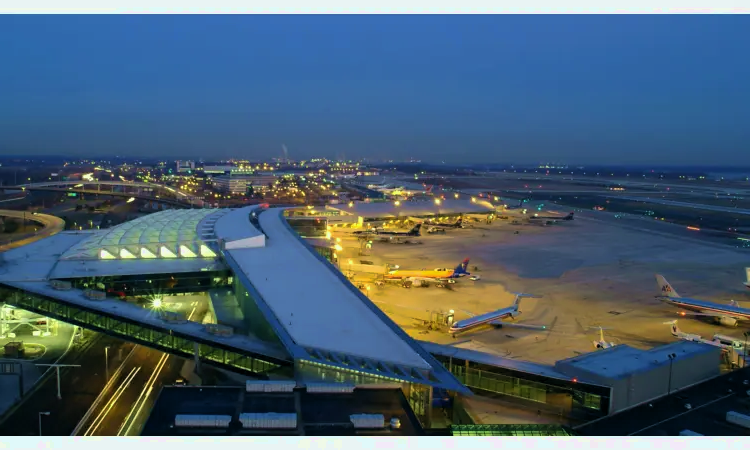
45	413
106	363
57	369
671	357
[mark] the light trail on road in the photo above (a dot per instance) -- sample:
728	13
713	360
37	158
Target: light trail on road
111	403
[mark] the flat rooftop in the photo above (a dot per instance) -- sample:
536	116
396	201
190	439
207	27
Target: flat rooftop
709	401
311	302
621	361
321	414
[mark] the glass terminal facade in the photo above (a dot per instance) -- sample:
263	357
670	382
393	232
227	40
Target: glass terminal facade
154	284
509	430
571	399
162	339
308	227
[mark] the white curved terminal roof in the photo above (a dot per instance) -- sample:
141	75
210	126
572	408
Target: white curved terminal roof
317	310
166	234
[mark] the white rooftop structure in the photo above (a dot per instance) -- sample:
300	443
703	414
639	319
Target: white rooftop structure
316	313
407	208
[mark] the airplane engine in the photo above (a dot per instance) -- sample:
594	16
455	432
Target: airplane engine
728	321
597	345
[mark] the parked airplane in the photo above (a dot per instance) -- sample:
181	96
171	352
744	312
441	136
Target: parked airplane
725	342
601	343
747	274
459	224
495	318
413	232
727	315
437	275
552	219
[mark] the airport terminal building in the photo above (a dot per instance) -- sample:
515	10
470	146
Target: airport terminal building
280	311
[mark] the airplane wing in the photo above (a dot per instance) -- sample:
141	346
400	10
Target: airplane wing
500	323
429	280
685	313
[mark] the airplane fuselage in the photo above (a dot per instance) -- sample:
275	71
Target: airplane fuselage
483	319
704	307
402	274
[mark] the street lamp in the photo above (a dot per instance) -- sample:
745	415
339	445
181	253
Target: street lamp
671	357
106	363
45	413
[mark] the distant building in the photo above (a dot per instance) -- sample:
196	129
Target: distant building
238	182
185	166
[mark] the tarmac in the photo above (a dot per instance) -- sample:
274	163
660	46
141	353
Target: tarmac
591	272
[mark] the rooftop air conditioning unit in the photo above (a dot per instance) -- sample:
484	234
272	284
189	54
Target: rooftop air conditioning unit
92	294
61	285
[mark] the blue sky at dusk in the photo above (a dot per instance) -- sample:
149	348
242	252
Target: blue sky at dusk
525	89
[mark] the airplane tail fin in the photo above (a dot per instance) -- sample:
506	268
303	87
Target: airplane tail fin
666	288
675	330
459	222
569	216
461	268
416	229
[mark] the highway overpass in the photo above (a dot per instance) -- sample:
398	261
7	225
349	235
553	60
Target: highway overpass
144	191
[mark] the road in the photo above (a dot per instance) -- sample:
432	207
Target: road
79	387
123	406
52	225
125	402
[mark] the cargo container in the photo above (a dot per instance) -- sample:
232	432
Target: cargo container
330	388
269	386
736	418
202	421
276	421
367	420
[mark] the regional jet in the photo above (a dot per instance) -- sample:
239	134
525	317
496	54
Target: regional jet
551	219
495	318
727	315
725	342
601	343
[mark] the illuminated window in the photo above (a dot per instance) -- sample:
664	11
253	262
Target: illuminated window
125	254
166	253
146	253
207	252
186	252
103	254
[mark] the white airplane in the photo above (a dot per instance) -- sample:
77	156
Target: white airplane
727	315
495	318
601	343
747	275
725	342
